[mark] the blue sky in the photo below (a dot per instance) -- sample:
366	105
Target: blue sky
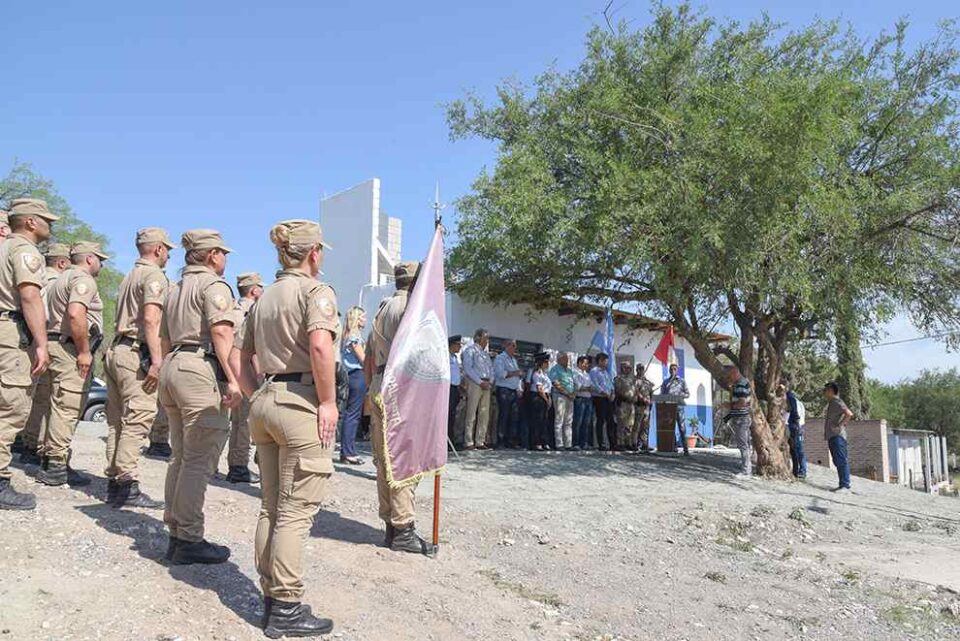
237	114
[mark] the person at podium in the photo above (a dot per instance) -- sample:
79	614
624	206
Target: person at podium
676	386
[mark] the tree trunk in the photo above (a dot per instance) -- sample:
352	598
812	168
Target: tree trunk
853	383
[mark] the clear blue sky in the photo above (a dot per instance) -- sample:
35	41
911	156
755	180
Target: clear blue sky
236	114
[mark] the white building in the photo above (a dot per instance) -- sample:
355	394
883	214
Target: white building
366	245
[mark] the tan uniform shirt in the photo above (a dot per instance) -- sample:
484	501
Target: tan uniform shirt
241	311
20	262
384	329
278	329
199	301
145	284
50	276
74	286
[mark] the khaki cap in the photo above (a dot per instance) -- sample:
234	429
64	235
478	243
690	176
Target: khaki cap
204	239
4	218
32	207
57	250
406	270
303	232
154	235
249	279
88	247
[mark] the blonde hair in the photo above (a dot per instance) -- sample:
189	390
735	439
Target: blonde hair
289	255
353	321
196	256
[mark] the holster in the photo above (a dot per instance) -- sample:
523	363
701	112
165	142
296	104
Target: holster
26	336
145	360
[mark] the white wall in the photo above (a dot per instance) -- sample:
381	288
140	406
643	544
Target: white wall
350	220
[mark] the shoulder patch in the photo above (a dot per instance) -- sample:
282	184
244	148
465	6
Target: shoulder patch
220	302
326	307
155	287
82	288
32	262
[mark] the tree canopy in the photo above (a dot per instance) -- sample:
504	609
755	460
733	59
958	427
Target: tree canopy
707	172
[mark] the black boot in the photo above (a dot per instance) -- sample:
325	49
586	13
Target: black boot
388	538
295	620
188	553
172	545
112	486
52	473
76	479
158	450
128	494
242	474
29	456
406	539
18	446
10	499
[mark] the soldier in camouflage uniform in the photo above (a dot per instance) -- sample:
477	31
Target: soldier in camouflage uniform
641	415
625	387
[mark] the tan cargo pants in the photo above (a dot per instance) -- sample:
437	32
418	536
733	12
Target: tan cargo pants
67	394
478	415
15	383
397	506
199	425
626	432
160	430
130	412
294	471
238	445
36	428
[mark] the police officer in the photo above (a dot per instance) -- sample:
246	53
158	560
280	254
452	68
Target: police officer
292	333
74	331
58	261
250	288
197	390
397	505
132	367
22	327
625	387
642	412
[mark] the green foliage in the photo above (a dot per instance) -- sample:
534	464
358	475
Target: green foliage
929	402
810	367
886	402
24	182
701	170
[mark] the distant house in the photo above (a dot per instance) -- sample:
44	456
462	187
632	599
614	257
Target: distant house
367	243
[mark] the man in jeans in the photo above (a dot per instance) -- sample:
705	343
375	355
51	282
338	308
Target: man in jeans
741	419
478	370
583	405
837	416
797	455
508	380
603	395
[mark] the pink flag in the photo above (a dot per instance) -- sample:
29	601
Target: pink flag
416	381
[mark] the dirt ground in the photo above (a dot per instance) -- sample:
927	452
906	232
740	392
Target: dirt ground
535	546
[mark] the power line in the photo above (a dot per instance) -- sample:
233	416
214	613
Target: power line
912	340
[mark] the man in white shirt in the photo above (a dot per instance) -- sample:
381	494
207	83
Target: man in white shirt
478	371
508	380
455	342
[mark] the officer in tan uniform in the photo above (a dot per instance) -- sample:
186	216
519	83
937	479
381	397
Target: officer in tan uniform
197	390
58	261
159	447
292	333
250	288
132	367
23	331
644	404
397	506
74	332
625	387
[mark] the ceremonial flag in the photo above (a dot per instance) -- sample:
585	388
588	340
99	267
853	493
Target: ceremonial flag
666	344
603	342
416	380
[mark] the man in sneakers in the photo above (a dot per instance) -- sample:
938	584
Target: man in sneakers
132	366
23	331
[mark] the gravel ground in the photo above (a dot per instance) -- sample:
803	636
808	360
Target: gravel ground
533	546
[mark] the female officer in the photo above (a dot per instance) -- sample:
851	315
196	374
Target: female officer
292	330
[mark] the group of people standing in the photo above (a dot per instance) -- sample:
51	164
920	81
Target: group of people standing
558	407
268	360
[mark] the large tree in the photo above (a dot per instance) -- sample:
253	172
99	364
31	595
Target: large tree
24	182
712	172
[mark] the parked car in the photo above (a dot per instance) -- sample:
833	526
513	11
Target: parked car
96	408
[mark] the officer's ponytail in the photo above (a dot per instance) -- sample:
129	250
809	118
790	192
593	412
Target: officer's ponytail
289	255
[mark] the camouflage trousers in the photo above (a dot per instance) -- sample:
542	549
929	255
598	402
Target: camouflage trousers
641	418
626	429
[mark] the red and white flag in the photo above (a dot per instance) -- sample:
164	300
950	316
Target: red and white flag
416	380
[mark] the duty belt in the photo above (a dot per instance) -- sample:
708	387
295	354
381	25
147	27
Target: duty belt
294	377
195	349
128	341
10	315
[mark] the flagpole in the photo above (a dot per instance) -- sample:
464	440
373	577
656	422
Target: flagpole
437	222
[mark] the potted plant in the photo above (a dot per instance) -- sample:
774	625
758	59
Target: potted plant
693	434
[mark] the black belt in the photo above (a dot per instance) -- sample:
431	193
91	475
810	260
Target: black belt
196	349
296	377
10	315
59	338
129	342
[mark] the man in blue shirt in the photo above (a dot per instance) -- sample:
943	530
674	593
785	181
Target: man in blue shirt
676	386
478	370
508	380
455	342
603	396
795	425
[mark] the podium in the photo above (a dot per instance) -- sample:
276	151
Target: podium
668	407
